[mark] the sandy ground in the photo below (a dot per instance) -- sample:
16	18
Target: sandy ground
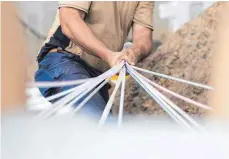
185	54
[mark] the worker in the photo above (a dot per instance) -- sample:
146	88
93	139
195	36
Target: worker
86	39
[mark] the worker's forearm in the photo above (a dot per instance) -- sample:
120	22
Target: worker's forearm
142	48
82	35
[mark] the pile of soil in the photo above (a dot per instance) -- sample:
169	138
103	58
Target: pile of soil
185	54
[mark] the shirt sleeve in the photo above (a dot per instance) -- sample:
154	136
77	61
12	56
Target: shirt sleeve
144	14
81	5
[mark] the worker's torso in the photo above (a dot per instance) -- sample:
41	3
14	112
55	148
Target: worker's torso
109	21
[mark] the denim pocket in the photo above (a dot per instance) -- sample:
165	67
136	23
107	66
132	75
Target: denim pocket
42	75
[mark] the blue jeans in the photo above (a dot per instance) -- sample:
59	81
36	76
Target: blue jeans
57	66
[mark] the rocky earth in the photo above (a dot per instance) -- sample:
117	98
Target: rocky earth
185	54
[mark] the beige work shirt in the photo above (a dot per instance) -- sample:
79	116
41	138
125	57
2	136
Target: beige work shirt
110	21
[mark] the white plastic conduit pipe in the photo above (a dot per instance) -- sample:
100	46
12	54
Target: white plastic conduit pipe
110	101
174	78
158	99
175	107
80	89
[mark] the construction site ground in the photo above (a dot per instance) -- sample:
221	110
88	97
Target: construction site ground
185	54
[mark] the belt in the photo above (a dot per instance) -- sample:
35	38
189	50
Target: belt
55	50
59	50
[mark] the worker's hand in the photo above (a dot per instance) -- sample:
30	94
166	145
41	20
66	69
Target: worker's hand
129	55
113	58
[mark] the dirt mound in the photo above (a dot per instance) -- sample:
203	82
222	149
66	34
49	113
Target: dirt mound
185	54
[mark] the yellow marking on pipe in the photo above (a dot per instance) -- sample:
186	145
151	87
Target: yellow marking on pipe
115	77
